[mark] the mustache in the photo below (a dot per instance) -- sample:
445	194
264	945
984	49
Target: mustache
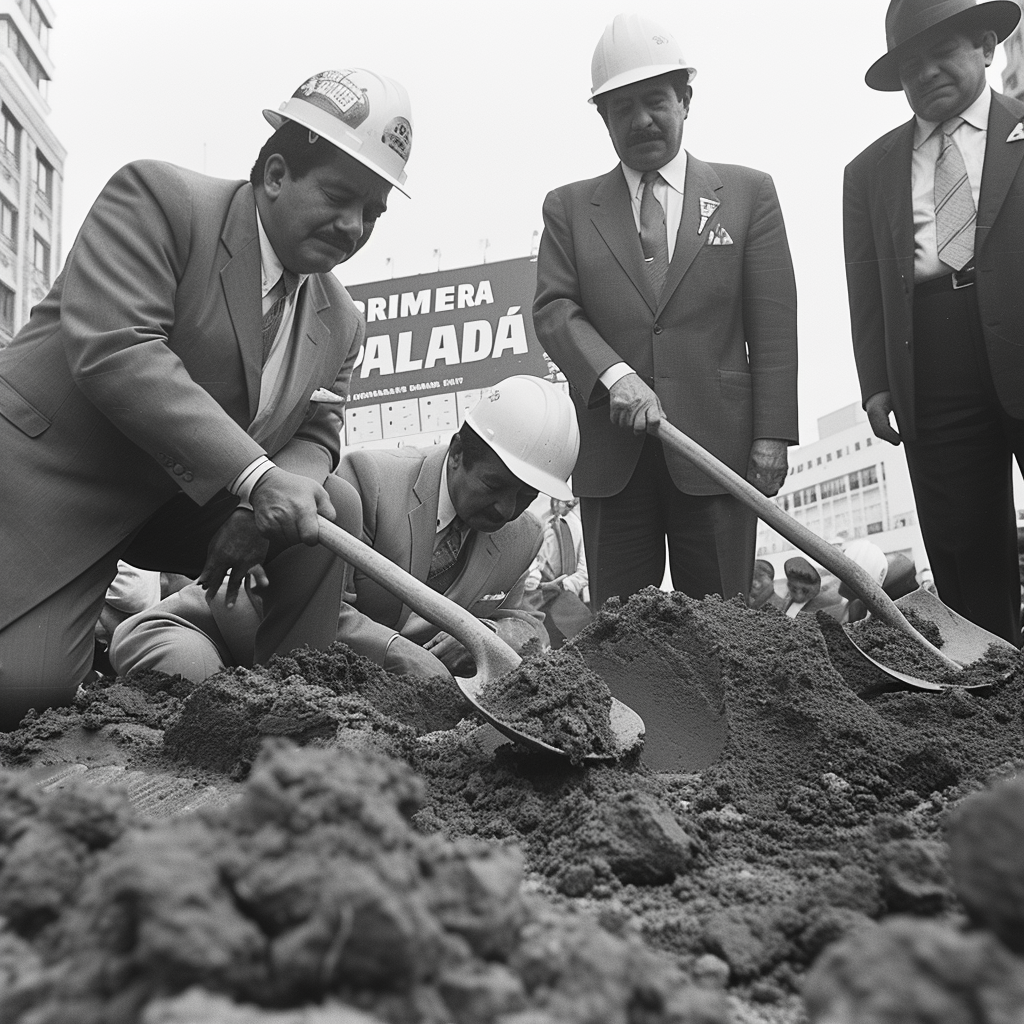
638	138
339	242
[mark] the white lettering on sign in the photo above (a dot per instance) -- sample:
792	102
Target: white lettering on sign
405	304
479	341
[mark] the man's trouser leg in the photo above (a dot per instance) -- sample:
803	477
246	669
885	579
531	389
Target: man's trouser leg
711	538
960	464
48	651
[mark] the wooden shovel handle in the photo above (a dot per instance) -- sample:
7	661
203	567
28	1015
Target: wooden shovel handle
492	655
863	585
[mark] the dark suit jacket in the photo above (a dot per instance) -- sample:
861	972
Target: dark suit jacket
400	490
878	223
718	347
139	373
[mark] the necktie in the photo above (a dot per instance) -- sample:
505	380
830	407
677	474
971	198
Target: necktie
285	285
954	204
653	234
566	549
444	565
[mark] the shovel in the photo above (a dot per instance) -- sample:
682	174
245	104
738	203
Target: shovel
492	655
967	641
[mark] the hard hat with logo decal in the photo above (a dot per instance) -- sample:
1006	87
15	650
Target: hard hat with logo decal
530	424
634	48
364	114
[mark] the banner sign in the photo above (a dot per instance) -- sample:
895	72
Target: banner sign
434	343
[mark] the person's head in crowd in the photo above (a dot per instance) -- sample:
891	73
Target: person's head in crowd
871	558
803	581
763	585
901	577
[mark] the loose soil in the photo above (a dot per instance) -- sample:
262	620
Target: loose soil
485	883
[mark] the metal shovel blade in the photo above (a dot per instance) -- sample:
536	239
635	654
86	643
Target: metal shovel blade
492	655
863	585
962	640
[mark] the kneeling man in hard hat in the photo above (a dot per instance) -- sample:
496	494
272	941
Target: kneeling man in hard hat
665	289
455	518
175	400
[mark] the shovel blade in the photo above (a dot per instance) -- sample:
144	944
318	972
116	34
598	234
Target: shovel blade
962	640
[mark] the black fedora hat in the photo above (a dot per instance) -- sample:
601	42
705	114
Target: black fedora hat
907	20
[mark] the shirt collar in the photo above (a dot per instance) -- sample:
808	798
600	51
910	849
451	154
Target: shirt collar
445	508
271	268
674	172
976	115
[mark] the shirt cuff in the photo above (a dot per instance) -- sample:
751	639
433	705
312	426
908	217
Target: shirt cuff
614	374
243	484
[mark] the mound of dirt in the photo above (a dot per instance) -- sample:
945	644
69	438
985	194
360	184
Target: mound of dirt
803	808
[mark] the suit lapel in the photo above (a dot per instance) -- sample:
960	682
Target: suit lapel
1002	161
483	557
701	182
423	514
240	279
613	217
894	175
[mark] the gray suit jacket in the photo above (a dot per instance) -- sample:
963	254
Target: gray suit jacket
718	346
139	374
399	490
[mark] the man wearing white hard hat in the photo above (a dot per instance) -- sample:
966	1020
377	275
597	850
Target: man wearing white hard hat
454	517
175	399
665	289
933	214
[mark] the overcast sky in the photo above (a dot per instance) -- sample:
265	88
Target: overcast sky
499	93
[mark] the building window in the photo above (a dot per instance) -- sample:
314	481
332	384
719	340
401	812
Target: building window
867	441
9	224
16	43
44	177
12	136
34	13
6	309
819	460
856	446
41	258
828	457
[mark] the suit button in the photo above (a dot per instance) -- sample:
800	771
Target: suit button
657	328
187	477
178	469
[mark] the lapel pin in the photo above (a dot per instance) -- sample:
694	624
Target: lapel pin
707	208
1017	134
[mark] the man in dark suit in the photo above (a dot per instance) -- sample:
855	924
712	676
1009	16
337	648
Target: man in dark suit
175	399
454	517
933	216
665	289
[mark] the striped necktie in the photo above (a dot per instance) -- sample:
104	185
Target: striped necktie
653	234
955	214
286	284
444	562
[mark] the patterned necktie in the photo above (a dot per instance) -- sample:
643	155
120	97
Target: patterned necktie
285	285
954	204
653	234
444	562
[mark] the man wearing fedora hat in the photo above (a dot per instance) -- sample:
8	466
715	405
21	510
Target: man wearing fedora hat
933	216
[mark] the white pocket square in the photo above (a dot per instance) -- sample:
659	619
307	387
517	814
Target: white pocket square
1017	134
323	395
719	236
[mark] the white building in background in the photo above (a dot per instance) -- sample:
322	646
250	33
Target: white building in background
31	163
1013	72
847	484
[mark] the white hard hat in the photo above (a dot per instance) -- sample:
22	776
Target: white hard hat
870	557
364	114
530	424
634	48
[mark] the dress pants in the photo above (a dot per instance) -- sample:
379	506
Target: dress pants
711	537
47	652
961	463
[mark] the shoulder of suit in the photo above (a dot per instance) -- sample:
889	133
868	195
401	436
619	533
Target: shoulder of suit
585	186
160	175
524	533
733	172
870	154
